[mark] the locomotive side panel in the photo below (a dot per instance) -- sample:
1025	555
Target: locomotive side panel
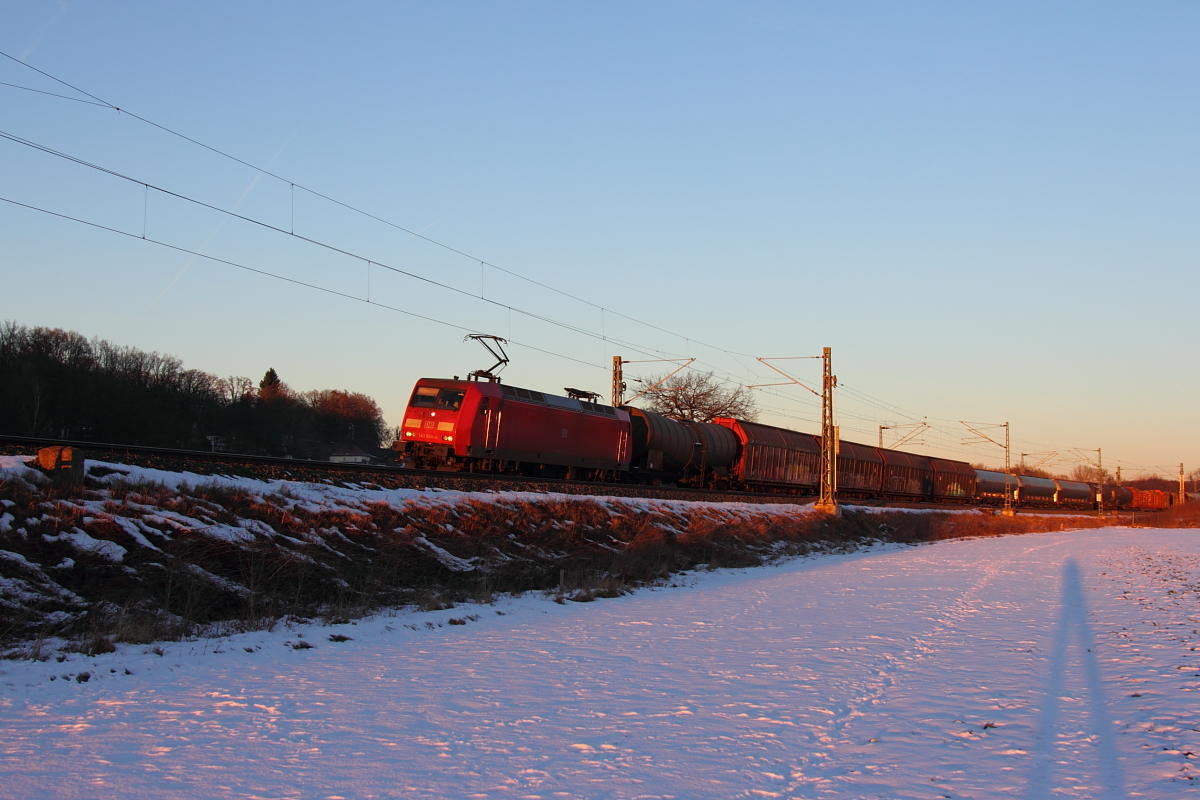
547	434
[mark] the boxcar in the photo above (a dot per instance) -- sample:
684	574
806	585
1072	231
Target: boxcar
451	424
906	476
859	470
773	458
953	481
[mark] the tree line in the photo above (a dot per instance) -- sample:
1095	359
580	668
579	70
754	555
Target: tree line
59	384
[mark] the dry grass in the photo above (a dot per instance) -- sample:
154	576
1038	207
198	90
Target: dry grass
339	564
1186	515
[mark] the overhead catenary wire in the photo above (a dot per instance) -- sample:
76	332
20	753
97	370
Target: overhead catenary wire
635	347
334	292
355	209
727	377
368	262
178	195
54	94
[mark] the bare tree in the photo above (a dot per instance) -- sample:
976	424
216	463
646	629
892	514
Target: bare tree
699	397
235	387
1087	473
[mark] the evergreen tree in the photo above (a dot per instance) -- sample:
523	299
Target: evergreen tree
271	388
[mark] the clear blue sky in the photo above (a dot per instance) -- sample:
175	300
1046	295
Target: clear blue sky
988	211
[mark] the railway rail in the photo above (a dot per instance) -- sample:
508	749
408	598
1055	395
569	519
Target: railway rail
382	475
396	477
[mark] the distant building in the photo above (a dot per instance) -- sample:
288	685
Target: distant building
349	457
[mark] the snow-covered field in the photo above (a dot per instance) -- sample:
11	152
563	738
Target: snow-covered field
1057	664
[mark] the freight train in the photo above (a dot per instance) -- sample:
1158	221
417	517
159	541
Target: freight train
492	427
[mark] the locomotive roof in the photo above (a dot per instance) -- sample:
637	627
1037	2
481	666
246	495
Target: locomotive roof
511	392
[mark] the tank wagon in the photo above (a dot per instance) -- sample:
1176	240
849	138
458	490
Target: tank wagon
686	453
488	426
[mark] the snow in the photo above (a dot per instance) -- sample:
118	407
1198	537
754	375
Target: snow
448	559
80	540
1058	664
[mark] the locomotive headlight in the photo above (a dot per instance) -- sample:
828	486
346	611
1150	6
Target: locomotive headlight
447	438
408	433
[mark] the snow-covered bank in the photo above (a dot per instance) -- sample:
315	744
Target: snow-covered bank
1062	664
140	555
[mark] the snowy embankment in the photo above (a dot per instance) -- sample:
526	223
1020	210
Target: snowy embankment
141	555
1061	664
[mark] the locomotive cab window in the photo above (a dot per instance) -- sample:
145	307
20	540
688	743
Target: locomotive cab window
450	398
425	397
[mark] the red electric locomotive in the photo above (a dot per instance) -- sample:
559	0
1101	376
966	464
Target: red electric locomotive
486	426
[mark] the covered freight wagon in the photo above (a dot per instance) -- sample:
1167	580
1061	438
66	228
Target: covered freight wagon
953	481
859	470
771	458
906	476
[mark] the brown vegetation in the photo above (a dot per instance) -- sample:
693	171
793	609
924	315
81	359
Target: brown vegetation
218	557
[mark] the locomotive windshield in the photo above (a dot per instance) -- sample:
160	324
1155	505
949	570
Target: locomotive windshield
425	397
450	398
432	397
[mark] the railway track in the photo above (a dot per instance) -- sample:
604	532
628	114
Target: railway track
385	476
394	477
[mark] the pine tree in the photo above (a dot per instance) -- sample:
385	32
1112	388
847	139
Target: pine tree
271	387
